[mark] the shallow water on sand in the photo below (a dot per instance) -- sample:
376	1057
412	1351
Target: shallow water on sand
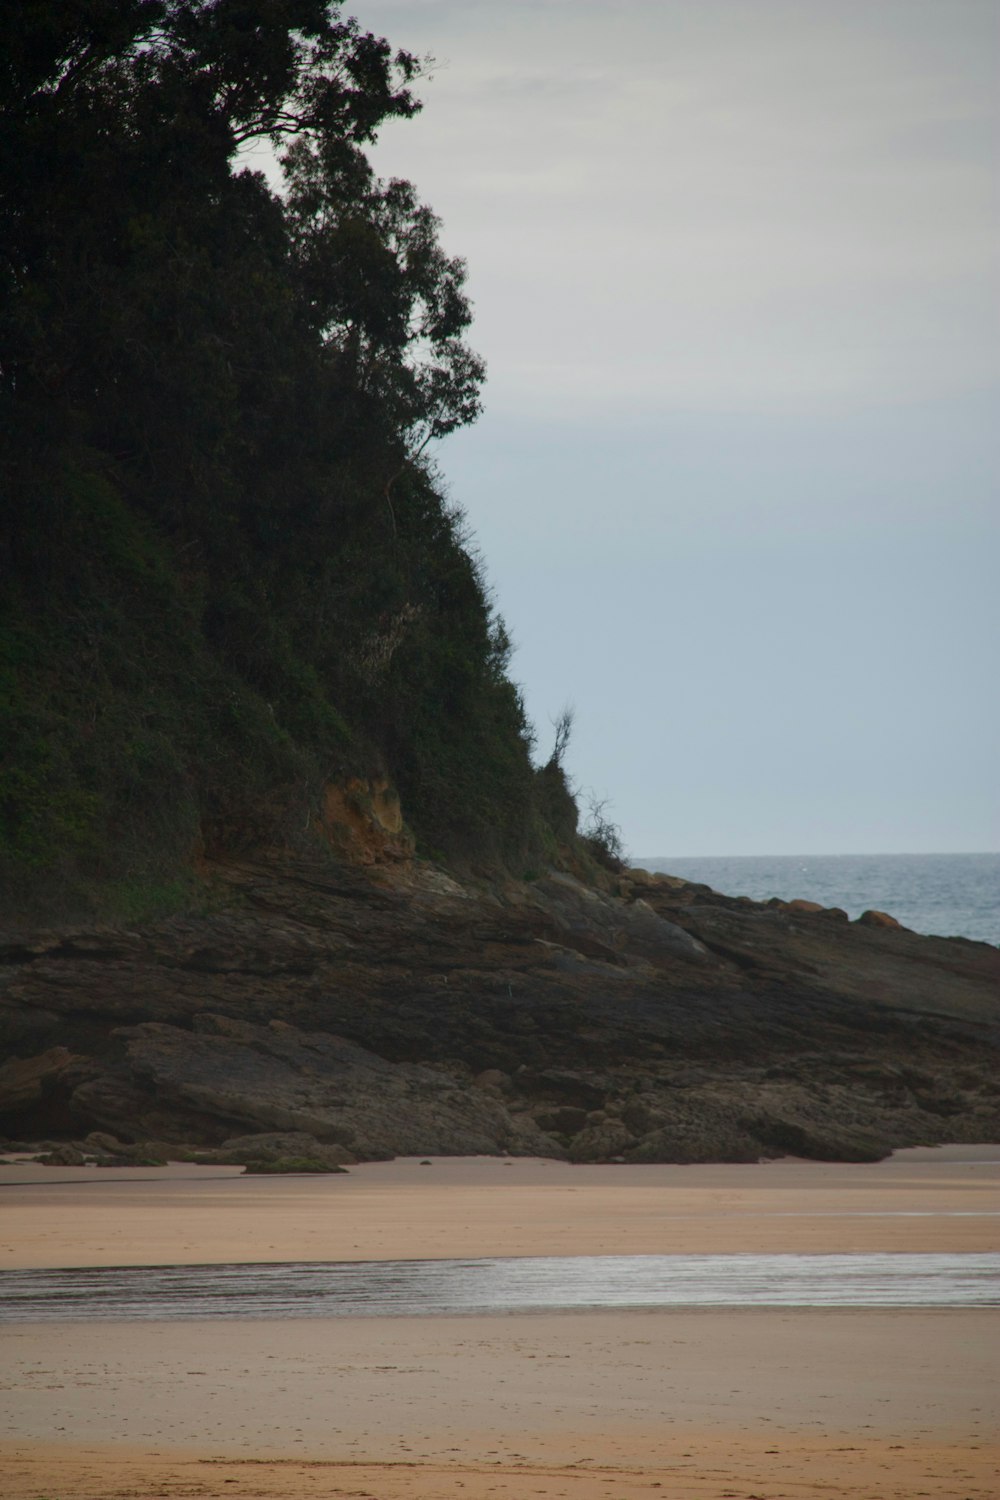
500	1285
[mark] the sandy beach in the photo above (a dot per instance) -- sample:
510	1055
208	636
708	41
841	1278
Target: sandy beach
590	1406
943	1198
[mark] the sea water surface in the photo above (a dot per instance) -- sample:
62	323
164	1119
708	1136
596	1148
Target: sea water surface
948	895
500	1285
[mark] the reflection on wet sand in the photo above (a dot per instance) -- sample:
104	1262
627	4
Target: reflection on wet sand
501	1285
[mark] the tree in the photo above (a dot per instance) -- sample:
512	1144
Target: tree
563	725
386	300
603	836
162	305
120	125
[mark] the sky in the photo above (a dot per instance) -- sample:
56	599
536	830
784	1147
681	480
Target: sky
736	277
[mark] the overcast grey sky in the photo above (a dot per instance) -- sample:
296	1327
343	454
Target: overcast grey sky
735	267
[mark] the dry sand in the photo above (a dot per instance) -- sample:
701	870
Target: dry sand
758	1404
925	1200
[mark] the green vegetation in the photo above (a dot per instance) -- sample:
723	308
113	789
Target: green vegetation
228	573
284	1165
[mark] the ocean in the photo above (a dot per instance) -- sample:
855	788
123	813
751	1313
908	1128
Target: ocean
948	895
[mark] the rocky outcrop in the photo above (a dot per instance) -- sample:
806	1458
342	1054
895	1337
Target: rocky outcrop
319	1085
344	1013
874	918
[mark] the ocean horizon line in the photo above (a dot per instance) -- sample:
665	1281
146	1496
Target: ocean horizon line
846	854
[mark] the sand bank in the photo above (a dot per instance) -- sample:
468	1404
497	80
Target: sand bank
924	1200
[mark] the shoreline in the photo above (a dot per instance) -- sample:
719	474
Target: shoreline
696	1403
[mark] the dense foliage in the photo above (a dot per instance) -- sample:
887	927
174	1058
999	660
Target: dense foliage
228	571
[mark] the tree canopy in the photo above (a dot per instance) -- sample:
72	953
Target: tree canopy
137	250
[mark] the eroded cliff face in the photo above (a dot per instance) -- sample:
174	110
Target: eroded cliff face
393	1009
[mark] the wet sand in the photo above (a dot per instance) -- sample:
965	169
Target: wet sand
765	1403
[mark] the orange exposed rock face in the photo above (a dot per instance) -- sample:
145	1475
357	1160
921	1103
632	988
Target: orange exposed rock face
363	822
